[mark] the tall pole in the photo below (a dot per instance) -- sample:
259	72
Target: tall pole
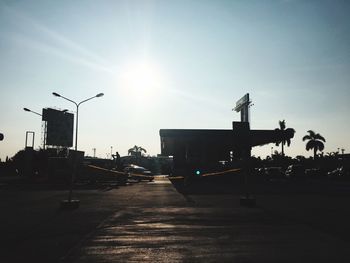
70	203
77	106
76	128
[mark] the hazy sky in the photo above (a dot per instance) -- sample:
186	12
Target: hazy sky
175	64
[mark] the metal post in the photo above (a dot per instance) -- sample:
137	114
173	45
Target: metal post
45	135
69	204
74	159
76	128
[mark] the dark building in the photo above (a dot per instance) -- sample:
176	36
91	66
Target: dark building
204	149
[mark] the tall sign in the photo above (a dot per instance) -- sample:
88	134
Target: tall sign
242	105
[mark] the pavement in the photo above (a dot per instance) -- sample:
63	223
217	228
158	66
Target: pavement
153	222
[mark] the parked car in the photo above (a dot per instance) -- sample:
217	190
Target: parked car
340	172
314	173
139	173
274	172
295	171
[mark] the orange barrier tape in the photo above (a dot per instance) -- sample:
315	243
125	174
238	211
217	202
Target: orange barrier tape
208	174
120	173
222	172
141	175
106	170
175	177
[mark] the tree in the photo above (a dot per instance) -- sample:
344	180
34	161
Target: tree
315	142
282	128
136	151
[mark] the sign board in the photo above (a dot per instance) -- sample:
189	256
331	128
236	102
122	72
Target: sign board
244	101
242	106
59	127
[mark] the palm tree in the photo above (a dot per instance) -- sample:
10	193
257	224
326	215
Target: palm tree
315	142
136	151
284	141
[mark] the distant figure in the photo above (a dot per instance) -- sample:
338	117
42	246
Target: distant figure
116	158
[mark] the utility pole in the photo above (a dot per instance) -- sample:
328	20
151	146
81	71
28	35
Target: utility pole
242	129
94	149
70	203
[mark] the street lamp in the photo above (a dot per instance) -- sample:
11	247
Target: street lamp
44	143
74	203
77	105
26	109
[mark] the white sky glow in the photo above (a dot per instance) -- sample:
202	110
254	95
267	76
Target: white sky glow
175	64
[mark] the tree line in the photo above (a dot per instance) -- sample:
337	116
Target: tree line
315	141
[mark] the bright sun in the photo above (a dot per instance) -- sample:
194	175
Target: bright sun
141	79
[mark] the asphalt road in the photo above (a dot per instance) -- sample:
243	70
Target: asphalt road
152	222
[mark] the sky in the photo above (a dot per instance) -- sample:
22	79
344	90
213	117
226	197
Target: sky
175	65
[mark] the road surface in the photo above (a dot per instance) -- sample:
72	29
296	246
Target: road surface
152	222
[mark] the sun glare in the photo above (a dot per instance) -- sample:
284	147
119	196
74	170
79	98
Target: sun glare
141	79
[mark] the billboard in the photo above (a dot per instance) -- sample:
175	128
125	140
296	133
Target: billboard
242	106
59	127
242	102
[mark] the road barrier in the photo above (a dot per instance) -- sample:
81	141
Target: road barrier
135	175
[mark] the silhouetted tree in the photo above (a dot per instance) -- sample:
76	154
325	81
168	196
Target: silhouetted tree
282	125
136	151
315	142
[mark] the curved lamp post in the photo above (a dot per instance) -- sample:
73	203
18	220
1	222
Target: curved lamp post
77	105
74	203
36	113
26	109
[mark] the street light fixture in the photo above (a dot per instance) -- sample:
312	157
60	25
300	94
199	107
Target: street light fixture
74	203
77	106
29	110
26	109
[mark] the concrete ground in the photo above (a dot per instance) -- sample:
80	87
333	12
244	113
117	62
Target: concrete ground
152	222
